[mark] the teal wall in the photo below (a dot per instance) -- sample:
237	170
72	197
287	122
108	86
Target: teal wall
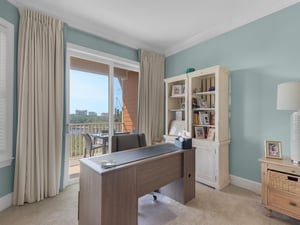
87	40
10	13
260	55
72	35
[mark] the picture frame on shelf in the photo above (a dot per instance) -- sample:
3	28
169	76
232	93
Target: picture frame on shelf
211	134
202	103
204	118
177	89
183	89
176	127
199	133
273	149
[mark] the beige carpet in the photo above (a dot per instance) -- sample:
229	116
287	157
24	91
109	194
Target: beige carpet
231	206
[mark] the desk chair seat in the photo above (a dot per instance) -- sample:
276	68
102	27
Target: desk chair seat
89	145
123	142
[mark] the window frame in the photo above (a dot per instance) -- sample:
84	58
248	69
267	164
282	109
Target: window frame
74	50
7	28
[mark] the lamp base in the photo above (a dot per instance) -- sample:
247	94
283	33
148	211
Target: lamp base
295	161
295	136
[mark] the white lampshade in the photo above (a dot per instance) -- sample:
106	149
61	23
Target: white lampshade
288	96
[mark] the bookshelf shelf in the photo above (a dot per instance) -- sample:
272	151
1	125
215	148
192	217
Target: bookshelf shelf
177	96
177	110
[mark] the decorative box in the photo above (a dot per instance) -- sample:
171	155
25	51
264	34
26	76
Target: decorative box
184	143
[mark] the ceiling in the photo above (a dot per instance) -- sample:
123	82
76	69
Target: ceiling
163	26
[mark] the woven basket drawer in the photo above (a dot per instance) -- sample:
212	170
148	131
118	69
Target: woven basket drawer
284	182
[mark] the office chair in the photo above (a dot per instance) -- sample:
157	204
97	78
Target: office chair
89	145
123	142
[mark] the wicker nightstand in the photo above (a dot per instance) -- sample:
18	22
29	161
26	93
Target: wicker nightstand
280	180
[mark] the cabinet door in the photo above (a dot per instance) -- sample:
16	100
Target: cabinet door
205	165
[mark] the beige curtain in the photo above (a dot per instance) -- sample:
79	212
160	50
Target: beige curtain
40	107
151	96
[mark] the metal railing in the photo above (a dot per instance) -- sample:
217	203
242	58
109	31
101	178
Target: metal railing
76	140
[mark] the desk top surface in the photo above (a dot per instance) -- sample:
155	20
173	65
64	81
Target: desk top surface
116	159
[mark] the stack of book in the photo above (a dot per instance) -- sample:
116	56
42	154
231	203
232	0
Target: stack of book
201	118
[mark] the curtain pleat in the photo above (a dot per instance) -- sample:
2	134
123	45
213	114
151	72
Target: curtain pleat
151	96
40	107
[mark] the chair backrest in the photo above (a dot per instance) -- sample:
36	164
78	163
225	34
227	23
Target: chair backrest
88	141
127	141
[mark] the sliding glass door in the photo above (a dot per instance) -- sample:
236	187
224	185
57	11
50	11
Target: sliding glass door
125	100
102	98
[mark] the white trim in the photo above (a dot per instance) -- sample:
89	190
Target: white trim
6	156
245	183
132	42
224	27
5	201
101	57
111	103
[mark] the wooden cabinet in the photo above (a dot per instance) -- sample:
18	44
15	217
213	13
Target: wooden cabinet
206	112
280	186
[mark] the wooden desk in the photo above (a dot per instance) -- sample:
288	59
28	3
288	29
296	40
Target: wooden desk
110	196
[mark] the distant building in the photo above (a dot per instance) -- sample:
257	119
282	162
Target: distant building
92	114
104	114
81	112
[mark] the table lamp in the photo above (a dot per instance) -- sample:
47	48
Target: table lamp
288	98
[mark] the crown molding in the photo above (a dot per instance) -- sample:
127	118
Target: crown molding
129	41
90	27
225	27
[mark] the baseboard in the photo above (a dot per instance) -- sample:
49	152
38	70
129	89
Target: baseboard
5	201
245	183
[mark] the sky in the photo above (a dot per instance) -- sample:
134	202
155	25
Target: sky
89	92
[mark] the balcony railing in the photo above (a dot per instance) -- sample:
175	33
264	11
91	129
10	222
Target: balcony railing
76	139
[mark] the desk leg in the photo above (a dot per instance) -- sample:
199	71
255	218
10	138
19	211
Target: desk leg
119	199
108	199
183	189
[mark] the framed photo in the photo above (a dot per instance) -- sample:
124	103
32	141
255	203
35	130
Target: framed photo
176	127
273	149
177	90
199	133
202	103
211	134
204	118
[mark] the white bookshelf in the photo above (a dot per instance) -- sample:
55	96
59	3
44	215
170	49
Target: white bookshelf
206	118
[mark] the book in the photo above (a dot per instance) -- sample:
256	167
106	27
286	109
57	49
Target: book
212	118
196	118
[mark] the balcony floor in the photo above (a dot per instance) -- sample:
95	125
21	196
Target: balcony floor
74	166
